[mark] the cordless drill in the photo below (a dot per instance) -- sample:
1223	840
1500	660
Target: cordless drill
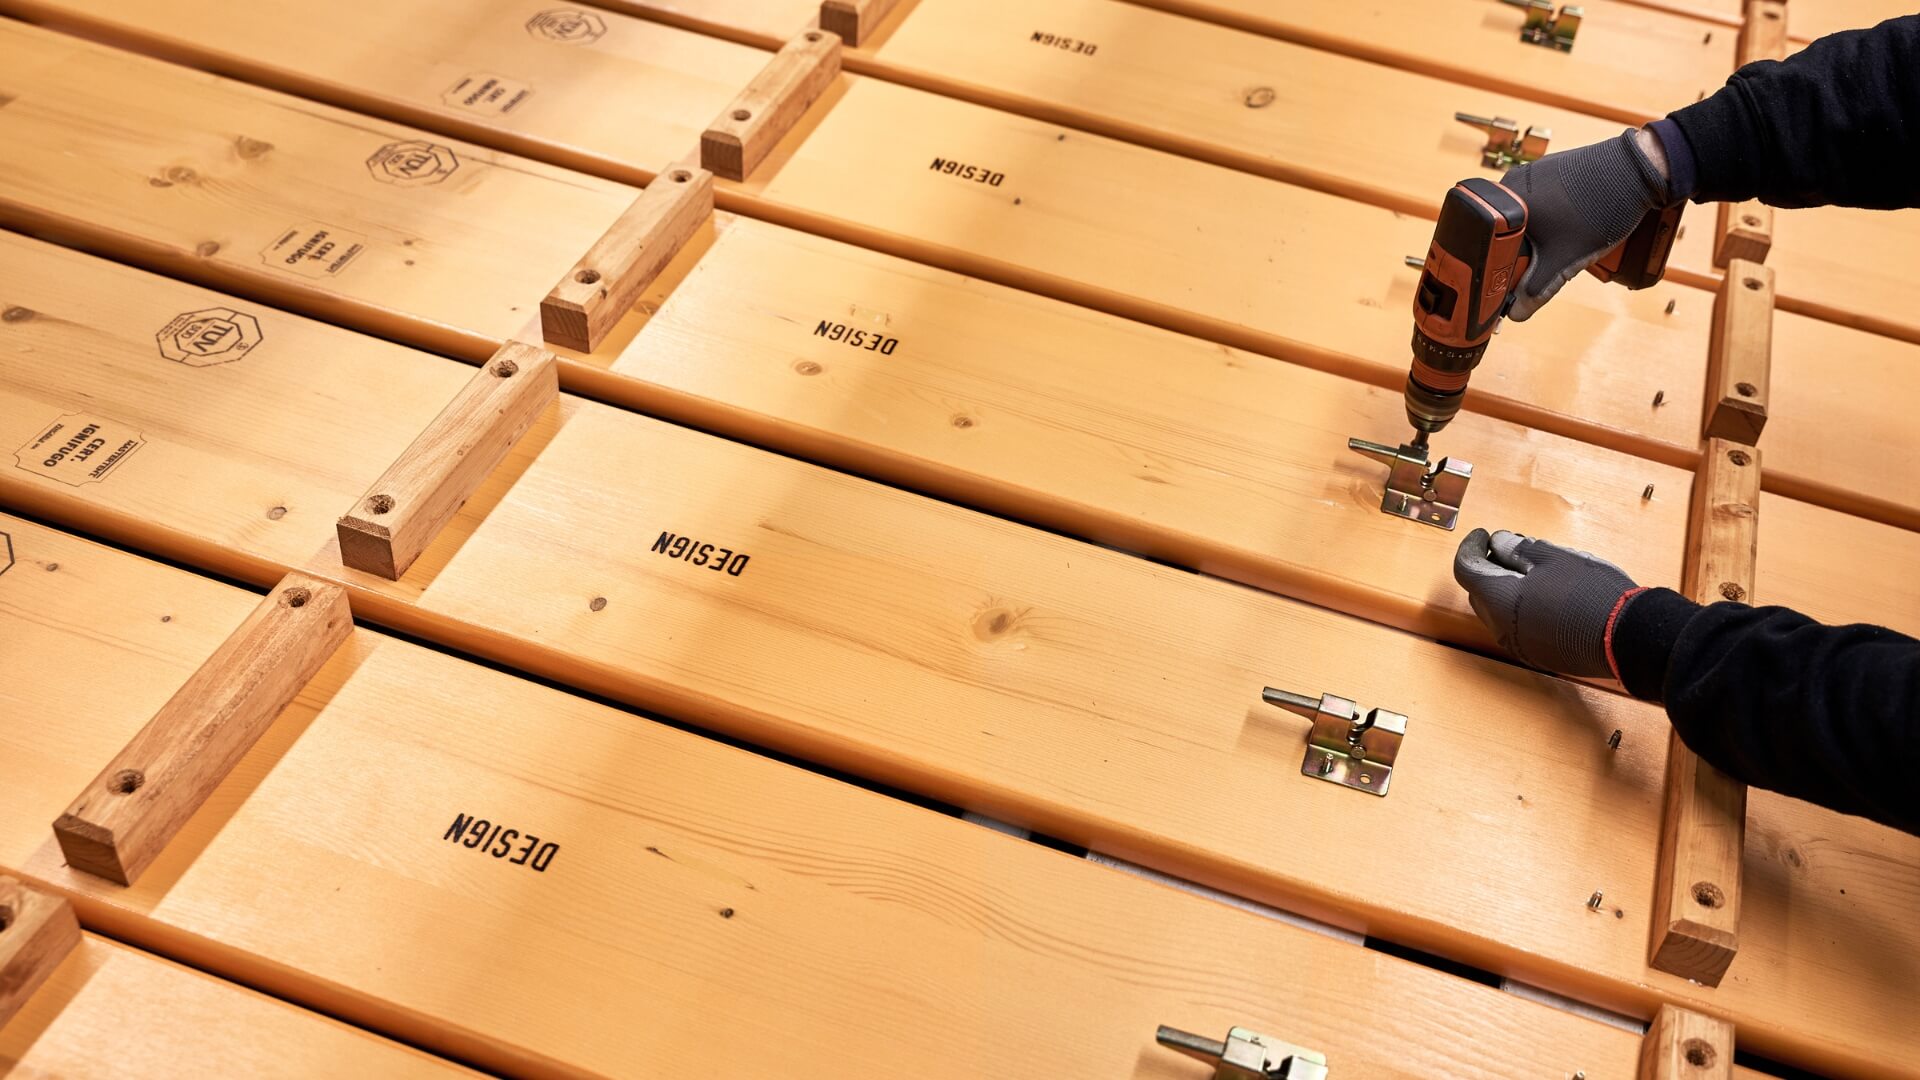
1478	255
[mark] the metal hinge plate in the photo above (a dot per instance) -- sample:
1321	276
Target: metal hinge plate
1430	496
1345	747
1543	27
1506	145
1247	1055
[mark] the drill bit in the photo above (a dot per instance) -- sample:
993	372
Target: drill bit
1419	440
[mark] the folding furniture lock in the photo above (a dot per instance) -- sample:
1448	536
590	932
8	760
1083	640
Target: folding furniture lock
1344	747
1506	146
1247	1055
1431	496
1543	27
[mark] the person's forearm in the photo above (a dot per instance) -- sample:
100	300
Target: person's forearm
1830	714
1838	123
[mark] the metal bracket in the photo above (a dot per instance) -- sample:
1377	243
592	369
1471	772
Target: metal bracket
1344	747
1506	146
1543	27
1247	1055
1431	496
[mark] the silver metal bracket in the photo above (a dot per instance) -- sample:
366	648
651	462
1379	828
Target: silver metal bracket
1506	146
1345	747
1543	27
1431	496
1247	1055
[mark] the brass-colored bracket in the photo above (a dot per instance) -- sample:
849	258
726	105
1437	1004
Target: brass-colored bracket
1506	145
1543	27
1345	747
1431	496
1247	1055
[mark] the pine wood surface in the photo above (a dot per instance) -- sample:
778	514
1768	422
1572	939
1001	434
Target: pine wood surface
1684	1045
992	667
1194	270
702	901
115	1011
1807	20
1835	567
37	931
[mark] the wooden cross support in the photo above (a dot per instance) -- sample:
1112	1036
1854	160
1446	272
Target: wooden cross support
37	931
1696	899
125	817
1683	1045
747	130
1740	354
854	20
601	288
407	507
1746	228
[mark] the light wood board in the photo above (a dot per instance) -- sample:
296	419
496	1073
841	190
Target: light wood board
1837	568
1629	63
702	904
1135	232
114	1011
1038	680
1807	20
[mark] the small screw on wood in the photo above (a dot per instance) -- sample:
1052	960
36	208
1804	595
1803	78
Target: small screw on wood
1647	494
1613	740
1593	902
1670	306
1326	765
1659	398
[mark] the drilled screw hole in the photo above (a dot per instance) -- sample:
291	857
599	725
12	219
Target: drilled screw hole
1699	1053
1706	893
679	176
379	504
296	597
126	781
1735	593
742	114
1739	457
6	916
1751	283
1745	389
504	369
587	277
1749	220
813	35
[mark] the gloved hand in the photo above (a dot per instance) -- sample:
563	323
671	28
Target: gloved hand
1549	607
1580	204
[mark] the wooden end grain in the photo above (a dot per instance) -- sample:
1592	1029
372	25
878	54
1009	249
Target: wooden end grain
747	130
1740	354
1696	913
1685	1045
1744	231
37	931
596	292
126	815
428	483
854	20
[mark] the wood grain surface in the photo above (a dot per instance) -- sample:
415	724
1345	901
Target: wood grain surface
976	661
696	897
37	931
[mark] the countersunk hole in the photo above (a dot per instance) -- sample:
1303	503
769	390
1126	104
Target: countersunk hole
1738	457
813	35
1752	282
1745	389
504	369
742	114
1699	1052
808	367
126	781
598	603
1707	894
207	250
6	916
679	176
296	597
1732	592
587	277
1749	219
276	513
379	504
726	913
963	421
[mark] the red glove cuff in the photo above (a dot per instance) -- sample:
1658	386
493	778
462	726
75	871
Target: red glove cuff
1613	618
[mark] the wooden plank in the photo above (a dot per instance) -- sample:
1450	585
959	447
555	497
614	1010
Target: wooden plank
854	20
410	503
867	632
727	899
1696	898
1763	33
1629	63
770	105
1063	226
37	931
121	821
1683	1045
1836	567
603	285
1745	232
114	1011
1740	358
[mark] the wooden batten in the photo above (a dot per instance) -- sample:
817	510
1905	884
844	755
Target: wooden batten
1685	1045
405	509
746	131
854	20
1746	228
596	291
37	931
1697	889
1740	354
124	818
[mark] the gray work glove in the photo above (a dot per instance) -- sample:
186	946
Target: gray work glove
1548	606
1580	204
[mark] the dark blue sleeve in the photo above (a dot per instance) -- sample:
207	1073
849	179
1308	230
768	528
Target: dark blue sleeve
1836	124
1829	714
